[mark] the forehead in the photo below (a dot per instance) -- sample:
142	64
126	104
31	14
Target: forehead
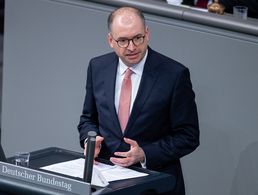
127	23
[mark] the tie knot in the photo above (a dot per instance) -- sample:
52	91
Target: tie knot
128	73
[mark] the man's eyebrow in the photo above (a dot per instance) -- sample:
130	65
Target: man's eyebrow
140	34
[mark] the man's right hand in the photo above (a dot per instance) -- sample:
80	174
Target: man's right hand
99	140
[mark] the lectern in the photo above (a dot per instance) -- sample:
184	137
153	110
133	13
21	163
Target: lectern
54	183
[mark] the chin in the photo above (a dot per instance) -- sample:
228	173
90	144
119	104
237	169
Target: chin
133	62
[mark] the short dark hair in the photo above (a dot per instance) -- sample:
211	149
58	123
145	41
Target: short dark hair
113	14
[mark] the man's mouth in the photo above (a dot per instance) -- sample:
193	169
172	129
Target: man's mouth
132	54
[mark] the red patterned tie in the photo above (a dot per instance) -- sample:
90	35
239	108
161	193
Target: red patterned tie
125	99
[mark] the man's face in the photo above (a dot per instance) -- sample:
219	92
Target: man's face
127	27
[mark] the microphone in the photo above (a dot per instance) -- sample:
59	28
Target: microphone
89	158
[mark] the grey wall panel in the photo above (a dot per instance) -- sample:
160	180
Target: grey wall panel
47	48
48	45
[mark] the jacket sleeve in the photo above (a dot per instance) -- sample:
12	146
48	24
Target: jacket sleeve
89	118
183	132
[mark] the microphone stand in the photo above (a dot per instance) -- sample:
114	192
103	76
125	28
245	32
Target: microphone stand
89	158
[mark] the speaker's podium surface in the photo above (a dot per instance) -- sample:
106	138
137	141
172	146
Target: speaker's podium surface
153	183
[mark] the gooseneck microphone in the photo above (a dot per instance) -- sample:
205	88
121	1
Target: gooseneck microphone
89	158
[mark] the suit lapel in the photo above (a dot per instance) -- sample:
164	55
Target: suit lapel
109	80
149	77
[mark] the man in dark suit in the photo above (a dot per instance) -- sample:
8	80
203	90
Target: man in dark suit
163	123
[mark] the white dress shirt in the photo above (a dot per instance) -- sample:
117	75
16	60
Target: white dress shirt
135	78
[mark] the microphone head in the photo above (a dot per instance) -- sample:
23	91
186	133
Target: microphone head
92	134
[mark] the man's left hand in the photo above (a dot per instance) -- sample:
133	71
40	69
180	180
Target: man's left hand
133	156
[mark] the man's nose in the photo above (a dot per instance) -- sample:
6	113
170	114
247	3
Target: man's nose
131	45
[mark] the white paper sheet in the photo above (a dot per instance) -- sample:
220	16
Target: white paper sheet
102	173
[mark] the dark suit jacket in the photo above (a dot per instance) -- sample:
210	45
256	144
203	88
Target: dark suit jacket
163	119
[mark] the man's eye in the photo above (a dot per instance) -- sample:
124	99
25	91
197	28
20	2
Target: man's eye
123	40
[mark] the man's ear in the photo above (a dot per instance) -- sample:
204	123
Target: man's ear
147	33
110	40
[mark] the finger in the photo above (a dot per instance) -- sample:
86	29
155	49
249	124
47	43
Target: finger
96	162
97	151
131	142
99	139
120	161
122	154
96	154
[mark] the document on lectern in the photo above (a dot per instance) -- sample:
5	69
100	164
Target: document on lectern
101	175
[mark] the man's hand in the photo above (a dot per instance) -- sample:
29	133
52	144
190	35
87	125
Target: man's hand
99	140
133	156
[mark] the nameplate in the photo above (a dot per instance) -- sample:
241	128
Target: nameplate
44	179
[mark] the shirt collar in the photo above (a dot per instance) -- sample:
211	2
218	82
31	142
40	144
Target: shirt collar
137	68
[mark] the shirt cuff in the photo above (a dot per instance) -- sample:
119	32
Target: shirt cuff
143	163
